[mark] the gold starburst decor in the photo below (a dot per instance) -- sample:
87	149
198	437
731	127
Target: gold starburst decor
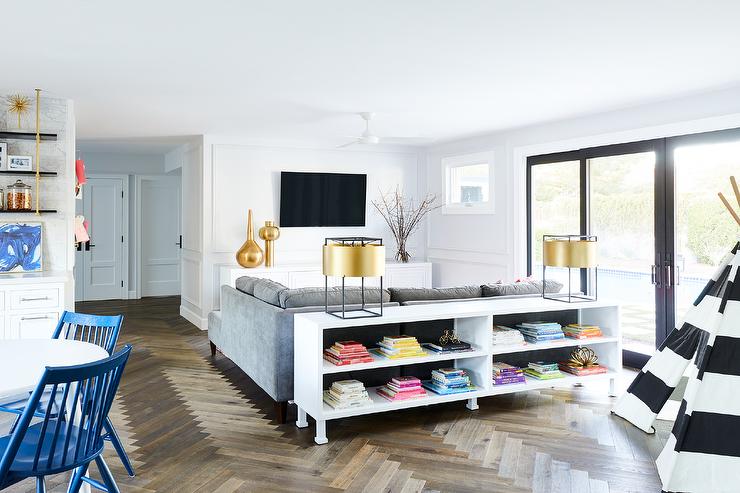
582	357
19	104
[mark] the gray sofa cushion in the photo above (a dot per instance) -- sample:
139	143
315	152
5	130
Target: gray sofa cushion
349	308
296	298
519	288
246	284
268	291
402	295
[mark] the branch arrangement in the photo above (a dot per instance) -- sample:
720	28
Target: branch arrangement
403	217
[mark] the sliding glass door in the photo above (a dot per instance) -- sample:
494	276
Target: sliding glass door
612	192
653	206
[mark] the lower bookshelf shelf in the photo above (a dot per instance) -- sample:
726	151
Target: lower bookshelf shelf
472	323
381	404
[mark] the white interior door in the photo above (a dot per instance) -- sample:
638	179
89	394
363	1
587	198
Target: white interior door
160	235
103	258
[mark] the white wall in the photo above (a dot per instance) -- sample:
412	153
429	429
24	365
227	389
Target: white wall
485	248
238	175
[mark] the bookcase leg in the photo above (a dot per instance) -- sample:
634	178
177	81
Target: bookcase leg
472	404
320	437
612	390
302	422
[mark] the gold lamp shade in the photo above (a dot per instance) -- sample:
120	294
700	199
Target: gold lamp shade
354	260
572	253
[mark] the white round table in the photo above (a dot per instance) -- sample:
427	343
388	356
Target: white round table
22	361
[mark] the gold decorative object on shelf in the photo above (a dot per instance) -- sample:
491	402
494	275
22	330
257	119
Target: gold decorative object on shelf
18	104
583	357
269	232
571	252
449	337
354	256
250	254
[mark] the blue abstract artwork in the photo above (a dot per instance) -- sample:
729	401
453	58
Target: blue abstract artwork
20	247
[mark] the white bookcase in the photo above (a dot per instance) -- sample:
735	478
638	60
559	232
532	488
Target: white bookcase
473	321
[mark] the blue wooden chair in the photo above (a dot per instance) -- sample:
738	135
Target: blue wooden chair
70	434
100	330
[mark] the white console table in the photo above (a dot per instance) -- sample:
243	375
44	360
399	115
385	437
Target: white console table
473	321
397	275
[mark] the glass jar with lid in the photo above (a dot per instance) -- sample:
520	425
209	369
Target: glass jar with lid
19	197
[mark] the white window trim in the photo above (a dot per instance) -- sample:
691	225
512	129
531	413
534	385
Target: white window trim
450	162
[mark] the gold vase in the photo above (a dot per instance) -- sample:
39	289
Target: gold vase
269	232
250	254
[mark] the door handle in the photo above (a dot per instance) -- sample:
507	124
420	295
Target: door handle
88	246
43	317
668	270
655	276
677	280
179	243
45	298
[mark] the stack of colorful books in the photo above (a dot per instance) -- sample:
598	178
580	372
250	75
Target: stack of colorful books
578	331
535	332
346	394
347	353
502	335
397	347
505	374
543	371
573	369
450	381
449	347
402	389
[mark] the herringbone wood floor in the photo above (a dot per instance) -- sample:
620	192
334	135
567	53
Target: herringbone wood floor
194	423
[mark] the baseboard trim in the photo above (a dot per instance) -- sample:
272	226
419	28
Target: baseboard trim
193	318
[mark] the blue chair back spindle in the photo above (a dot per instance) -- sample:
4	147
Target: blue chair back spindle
68	438
95	329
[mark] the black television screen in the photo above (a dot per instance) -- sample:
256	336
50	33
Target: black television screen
322	199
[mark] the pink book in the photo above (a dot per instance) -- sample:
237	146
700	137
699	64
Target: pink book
406	381
401	396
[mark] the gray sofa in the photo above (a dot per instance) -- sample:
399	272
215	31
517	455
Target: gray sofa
254	327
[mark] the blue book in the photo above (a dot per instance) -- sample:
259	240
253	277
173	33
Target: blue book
446	391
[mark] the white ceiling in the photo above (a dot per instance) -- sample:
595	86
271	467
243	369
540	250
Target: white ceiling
296	70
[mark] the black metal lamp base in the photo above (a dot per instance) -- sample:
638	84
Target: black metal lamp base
354	314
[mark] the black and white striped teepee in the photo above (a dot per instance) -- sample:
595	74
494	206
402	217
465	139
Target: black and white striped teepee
703	451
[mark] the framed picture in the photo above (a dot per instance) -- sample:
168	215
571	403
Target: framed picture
20	163
3	156
21	248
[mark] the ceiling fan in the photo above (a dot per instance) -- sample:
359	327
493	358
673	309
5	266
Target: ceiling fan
369	138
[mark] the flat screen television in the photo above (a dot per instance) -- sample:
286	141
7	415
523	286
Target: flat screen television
322	199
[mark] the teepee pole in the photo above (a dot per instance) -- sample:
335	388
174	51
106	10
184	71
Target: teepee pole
729	208
735	188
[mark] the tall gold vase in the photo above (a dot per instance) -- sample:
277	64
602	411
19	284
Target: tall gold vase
250	254
269	232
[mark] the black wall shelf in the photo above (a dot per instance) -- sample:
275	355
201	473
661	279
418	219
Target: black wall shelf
41	211
47	137
27	173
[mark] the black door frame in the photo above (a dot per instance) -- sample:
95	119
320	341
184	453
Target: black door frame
658	146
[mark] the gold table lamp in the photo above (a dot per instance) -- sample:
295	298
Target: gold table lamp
572	252
355	256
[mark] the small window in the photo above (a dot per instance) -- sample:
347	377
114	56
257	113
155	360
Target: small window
468	184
